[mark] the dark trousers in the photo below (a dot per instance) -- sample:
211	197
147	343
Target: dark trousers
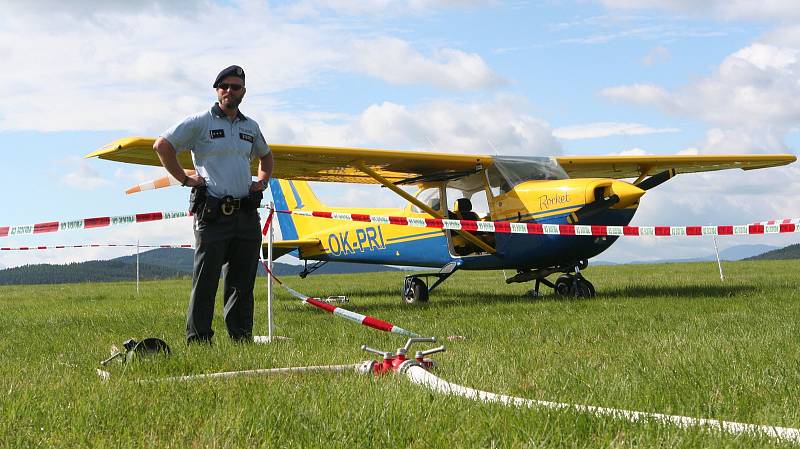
230	246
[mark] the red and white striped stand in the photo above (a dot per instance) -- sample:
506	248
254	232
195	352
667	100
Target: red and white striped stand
269	232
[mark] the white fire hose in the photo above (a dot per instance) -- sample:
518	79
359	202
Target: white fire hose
419	375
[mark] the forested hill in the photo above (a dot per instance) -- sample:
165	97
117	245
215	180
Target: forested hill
790	252
161	263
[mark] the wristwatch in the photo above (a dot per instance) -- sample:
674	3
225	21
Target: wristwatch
264	184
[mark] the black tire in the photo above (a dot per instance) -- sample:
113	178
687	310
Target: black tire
581	288
563	285
415	292
592	291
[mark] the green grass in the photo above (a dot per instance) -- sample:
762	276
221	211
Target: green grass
662	338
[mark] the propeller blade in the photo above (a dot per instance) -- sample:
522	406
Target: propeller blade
656	179
593	208
159	183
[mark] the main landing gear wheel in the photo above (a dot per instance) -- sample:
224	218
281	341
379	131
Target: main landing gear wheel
415	291
576	286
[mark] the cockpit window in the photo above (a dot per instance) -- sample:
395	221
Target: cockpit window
430	197
508	171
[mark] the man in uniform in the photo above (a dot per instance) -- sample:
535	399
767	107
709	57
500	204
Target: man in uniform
224	199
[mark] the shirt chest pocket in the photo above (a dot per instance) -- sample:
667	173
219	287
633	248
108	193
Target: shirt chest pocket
244	142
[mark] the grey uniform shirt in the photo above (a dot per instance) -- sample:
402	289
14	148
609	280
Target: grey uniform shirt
221	150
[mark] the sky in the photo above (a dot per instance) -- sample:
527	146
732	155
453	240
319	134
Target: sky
539	78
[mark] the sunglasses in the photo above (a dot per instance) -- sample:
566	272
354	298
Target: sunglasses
232	87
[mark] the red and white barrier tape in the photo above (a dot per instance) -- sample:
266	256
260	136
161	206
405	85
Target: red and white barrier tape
364	320
110	245
88	223
784	221
506	227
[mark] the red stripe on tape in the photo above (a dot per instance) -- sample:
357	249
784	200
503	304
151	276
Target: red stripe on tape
434	223
398	220
98	222
322	214
662	231
755	229
469	225
321	305
502	227
377	324
152	216
599	230
725	230
50	226
565	229
630	230
533	228
4	231
788	227
360	217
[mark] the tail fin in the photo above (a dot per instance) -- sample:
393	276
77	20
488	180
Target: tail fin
290	195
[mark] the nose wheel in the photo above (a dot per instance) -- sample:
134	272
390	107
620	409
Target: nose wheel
415	291
570	284
574	285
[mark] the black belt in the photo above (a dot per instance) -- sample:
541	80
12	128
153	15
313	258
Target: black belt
229	205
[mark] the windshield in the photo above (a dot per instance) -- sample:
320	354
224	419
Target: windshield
508	171
429	196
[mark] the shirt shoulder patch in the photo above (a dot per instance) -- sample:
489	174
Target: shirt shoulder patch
217	133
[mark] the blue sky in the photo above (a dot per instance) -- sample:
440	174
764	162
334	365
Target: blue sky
526	77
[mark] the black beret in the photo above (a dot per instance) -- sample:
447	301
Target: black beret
233	70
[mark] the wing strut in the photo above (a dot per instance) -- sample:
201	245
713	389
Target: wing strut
386	183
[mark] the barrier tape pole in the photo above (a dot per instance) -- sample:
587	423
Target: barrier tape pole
506	227
270	240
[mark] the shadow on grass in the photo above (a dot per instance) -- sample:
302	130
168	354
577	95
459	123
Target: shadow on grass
682	291
390	298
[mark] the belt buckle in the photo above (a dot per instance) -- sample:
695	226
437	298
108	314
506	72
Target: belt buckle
229	205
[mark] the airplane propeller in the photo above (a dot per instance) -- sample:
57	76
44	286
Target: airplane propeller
617	194
595	207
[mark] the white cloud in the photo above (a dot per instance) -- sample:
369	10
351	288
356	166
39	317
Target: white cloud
139	69
657	55
638	94
780	10
314	8
605	129
395	61
750	98
83	176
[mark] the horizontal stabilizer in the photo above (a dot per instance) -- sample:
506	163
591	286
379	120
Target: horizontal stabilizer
283	247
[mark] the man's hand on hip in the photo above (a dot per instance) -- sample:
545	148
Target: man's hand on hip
194	181
259	186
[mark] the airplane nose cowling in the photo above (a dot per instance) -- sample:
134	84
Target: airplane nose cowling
628	194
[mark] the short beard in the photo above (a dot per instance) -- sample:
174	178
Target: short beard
230	103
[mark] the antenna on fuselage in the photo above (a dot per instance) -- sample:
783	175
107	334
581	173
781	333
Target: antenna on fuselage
433	146
496	153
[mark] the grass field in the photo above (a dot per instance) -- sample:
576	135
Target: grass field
658	338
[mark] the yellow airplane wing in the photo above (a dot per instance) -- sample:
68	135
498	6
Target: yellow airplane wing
315	163
619	167
339	164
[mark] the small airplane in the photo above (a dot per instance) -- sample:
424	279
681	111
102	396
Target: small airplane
545	190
